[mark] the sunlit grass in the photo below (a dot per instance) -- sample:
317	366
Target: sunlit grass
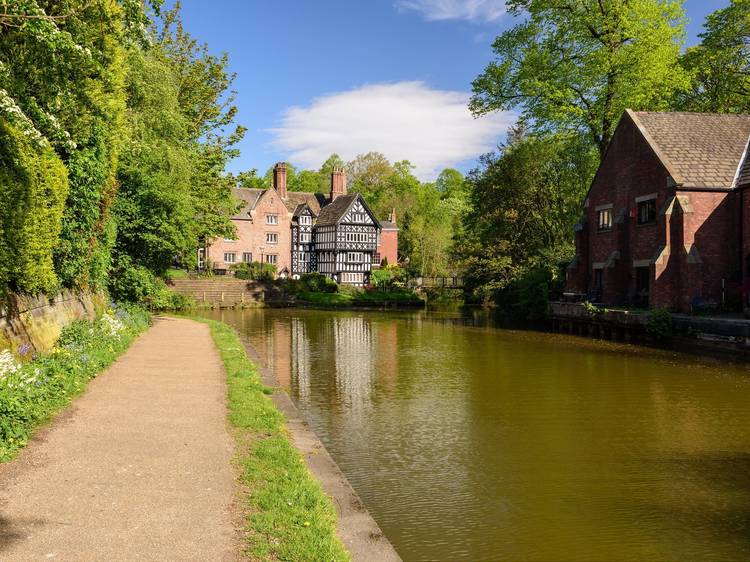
289	515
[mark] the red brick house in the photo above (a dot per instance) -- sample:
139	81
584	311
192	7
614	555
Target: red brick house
300	232
667	217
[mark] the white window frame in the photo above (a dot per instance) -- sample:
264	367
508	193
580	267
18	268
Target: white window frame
272	259
272	219
272	237
245	256
230	257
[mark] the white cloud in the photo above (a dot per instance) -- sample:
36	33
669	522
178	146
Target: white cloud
471	10
405	121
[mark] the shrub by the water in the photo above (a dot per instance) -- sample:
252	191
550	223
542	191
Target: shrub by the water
254	271
659	324
32	389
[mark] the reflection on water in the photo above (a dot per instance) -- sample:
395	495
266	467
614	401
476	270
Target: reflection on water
468	442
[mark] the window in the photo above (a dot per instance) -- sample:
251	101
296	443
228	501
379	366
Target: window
272	238
598	278
647	211
272	219
305	237
305	220
272	258
642	277
230	257
356	257
352	277
604	219
247	257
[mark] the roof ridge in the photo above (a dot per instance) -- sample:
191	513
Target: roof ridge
696	113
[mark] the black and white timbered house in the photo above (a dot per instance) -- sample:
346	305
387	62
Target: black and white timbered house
345	238
303	254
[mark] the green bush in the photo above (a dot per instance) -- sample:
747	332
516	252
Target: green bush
31	392
136	284
254	271
317	283
33	188
659	324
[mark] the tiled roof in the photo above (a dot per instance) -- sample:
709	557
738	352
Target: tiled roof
249	198
296	198
388	225
333	212
702	150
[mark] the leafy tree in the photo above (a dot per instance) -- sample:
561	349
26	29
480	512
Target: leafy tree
311	181
451	182
577	64
720	64
524	203
367	172
154	206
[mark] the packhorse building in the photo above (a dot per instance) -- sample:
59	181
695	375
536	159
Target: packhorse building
667	218
302	232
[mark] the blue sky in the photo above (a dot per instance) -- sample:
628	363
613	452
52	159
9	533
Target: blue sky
349	76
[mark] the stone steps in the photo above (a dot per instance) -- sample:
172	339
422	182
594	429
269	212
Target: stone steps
222	292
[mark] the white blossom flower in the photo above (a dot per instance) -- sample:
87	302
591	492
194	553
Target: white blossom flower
8	364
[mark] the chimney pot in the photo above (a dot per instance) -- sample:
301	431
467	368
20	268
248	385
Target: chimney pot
279	179
338	183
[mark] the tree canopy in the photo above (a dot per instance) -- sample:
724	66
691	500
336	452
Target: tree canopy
720	65
577	64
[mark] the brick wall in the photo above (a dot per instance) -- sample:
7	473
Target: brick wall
251	235
388	246
692	250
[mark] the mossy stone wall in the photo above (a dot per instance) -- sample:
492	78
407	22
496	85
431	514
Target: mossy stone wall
37	321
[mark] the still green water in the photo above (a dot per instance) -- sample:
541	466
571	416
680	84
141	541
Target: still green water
469	442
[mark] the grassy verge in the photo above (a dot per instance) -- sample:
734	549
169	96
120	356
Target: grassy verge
289	517
362	298
31	392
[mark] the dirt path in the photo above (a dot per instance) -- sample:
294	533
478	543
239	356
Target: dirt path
137	469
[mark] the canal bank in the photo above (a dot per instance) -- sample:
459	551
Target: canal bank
359	532
713	335
470	442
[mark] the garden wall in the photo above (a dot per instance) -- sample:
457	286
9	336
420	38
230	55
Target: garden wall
38	321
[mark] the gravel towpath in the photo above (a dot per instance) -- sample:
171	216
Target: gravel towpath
138	468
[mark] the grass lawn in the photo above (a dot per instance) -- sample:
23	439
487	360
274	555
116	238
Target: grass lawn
289	516
174	273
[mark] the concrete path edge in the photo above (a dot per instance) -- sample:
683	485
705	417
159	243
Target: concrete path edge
357	529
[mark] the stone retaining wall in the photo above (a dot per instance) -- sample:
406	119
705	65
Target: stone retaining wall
38	321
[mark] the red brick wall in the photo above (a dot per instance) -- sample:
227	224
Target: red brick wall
388	246
744	202
706	221
251	235
630	169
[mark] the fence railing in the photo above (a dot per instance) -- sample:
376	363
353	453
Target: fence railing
436	282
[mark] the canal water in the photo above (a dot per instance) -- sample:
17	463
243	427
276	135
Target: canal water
470	442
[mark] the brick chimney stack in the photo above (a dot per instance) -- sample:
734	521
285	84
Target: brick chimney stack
279	179
338	183
392	216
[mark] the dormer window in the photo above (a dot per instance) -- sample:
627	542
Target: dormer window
305	220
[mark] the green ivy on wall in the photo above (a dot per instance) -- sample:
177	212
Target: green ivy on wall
35	186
